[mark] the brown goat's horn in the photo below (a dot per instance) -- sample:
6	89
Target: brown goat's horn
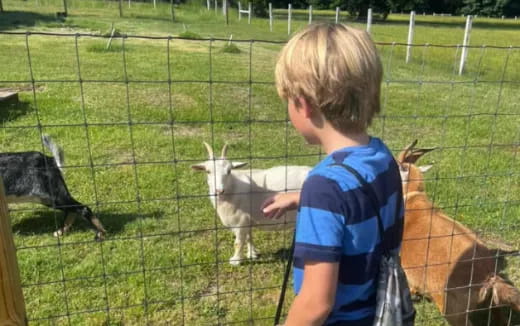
404	154
210	150
412	154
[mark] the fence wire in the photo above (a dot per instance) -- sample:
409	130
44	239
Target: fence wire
165	258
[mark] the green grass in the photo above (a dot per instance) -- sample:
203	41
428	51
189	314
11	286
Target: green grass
164	242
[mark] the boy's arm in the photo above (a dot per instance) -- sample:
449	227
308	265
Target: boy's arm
316	298
277	205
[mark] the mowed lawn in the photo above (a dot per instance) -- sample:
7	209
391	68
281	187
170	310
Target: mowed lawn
132	119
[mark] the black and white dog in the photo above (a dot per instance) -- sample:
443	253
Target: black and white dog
35	177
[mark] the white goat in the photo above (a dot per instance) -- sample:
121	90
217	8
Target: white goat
237	195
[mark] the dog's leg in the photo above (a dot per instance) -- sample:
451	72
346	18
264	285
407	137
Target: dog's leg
69	220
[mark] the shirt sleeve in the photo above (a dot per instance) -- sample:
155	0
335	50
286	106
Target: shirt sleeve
320	224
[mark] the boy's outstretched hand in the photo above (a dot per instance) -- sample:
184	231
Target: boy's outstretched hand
277	205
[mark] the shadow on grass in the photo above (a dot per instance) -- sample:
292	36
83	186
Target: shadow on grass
42	222
19	19
12	111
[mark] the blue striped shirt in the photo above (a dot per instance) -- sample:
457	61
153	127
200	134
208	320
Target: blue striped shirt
337	223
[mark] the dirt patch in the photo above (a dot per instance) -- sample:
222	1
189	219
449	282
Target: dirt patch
182	101
24	88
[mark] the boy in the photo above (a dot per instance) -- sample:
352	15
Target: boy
330	75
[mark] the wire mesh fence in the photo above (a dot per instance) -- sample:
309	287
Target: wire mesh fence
132	120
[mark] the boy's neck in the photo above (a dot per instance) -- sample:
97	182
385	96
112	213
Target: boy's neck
332	140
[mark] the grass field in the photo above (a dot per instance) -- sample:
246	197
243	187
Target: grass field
130	137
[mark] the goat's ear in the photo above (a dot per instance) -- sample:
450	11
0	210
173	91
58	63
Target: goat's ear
199	167
425	168
237	165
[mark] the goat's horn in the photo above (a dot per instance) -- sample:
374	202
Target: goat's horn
224	150
406	151
409	148
210	150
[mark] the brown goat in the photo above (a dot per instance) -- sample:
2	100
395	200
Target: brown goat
447	261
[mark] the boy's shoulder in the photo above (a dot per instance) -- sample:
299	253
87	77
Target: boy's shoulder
371	161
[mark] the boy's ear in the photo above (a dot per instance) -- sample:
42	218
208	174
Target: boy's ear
199	167
302	104
237	165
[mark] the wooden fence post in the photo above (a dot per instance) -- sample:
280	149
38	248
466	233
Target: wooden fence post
270	17
173	11
369	20
250	12
207	4
216	6
120	8
310	14
289	20
337	15
239	11
225	8
1	6
410	36
465	43
65	8
12	309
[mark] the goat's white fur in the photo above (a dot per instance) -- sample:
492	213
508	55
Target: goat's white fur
237	195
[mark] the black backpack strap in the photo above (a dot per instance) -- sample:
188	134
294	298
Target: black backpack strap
285	281
369	192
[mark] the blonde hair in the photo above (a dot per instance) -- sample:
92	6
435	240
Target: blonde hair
337	70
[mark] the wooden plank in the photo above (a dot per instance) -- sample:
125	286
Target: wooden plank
12	306
8	96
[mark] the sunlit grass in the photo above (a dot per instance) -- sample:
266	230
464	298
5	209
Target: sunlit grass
136	122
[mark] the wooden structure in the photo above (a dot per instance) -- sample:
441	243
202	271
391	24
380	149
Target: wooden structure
8	96
12	306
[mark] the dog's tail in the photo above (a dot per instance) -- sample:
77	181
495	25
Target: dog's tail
56	151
